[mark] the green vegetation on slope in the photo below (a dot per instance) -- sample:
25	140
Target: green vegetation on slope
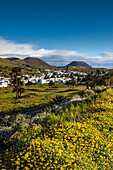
80	137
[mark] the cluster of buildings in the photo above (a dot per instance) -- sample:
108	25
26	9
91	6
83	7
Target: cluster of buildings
55	76
46	77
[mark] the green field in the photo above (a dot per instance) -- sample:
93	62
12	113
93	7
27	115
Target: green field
35	98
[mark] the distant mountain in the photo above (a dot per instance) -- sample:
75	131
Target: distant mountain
27	62
36	62
78	64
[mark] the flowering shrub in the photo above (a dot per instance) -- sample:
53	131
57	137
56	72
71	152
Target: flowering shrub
85	145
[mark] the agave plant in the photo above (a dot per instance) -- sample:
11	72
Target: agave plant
58	99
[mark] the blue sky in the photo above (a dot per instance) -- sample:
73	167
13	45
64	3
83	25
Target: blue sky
58	31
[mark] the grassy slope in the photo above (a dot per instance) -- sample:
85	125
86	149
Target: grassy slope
84	69
5	62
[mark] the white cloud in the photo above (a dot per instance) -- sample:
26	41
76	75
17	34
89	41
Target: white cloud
107	54
53	57
9	48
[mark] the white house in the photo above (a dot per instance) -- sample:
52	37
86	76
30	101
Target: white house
4	82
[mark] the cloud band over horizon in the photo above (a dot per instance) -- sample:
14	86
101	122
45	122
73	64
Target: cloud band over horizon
53	57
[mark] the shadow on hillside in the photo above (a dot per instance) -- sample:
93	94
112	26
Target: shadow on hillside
26	110
38	90
70	90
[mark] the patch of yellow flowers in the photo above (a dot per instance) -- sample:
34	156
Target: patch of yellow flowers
80	146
